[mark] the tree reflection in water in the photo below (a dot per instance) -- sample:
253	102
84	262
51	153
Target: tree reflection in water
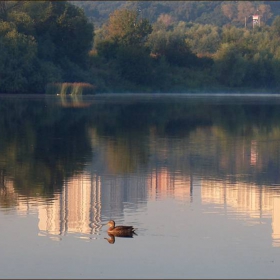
44	147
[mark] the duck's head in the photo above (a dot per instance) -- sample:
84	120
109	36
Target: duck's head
111	223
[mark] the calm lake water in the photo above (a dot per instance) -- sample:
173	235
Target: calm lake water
198	176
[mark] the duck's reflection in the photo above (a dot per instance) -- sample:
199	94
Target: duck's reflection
112	237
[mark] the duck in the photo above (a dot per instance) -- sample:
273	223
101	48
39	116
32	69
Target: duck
124	231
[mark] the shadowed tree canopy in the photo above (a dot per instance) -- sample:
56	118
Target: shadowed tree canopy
8	6
42	42
62	29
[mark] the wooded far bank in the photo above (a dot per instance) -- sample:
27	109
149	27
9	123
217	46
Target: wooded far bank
45	43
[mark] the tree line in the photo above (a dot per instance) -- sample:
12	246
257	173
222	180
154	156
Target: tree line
45	42
170	56
218	13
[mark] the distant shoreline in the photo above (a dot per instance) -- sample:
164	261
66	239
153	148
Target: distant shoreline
156	94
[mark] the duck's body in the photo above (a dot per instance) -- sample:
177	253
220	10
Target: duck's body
120	230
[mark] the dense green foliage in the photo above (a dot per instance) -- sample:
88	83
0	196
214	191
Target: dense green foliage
187	56
42	42
161	46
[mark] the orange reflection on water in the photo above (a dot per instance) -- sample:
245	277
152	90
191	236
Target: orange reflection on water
245	201
77	209
276	221
163	184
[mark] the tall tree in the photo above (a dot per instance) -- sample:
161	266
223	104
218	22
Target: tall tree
63	28
230	66
127	28
265	12
18	54
245	10
229	9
